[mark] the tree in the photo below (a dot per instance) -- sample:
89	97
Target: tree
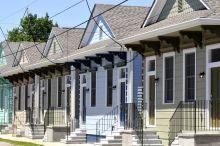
32	28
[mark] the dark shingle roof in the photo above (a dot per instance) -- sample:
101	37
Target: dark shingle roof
121	19
67	38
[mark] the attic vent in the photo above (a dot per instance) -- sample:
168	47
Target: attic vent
180	6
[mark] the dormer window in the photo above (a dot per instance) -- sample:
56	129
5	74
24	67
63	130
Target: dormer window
23	58
180	6
100	32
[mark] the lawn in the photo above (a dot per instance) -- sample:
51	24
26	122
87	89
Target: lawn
19	143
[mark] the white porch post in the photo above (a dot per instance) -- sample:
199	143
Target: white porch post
72	103
130	76
37	97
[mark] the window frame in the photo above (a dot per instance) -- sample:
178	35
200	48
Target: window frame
185	52
166	55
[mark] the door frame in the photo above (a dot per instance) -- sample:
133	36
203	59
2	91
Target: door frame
120	80
82	85
147	92
209	66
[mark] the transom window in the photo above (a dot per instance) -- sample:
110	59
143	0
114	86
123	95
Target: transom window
215	55
122	73
151	65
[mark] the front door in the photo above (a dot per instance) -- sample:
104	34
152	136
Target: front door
215	97
83	98
150	91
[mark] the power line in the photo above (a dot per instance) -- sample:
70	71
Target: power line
76	26
15	12
67	8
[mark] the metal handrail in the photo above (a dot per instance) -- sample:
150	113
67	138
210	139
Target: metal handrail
106	122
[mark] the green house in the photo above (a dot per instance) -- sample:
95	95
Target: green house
5	94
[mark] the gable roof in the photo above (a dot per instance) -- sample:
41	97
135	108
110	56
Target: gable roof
158	5
121	20
67	38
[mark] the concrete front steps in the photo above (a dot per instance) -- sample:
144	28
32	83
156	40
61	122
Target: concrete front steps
115	139
77	137
175	142
150	138
34	131
8	130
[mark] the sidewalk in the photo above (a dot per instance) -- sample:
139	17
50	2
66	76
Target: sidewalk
39	141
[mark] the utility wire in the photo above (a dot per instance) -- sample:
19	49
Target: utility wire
87	3
76	26
15	12
122	47
67	8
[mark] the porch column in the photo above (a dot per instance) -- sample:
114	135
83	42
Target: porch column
37	97
72	103
130	99
130	77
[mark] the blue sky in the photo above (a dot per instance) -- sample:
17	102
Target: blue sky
13	10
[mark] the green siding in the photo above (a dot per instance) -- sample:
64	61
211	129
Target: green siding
5	102
171	8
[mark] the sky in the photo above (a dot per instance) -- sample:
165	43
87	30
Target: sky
13	10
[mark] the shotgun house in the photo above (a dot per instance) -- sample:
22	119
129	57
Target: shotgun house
180	44
5	94
23	82
108	76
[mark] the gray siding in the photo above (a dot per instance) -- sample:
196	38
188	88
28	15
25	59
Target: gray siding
171	8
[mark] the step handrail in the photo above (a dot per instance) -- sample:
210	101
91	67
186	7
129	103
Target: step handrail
106	122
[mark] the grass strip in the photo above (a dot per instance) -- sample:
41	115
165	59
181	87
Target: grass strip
18	143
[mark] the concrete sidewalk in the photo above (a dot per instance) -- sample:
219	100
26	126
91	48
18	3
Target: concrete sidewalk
38	141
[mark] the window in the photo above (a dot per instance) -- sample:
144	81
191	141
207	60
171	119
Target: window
19	98
49	92
151	66
83	79
59	91
215	53
109	86
122	73
100	32
190	77
26	96
169	79
93	89
2	97
180	6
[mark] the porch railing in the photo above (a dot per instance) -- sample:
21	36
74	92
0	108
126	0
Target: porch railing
129	117
54	116
107	122
196	116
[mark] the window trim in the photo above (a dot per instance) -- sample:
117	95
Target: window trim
188	51
165	55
